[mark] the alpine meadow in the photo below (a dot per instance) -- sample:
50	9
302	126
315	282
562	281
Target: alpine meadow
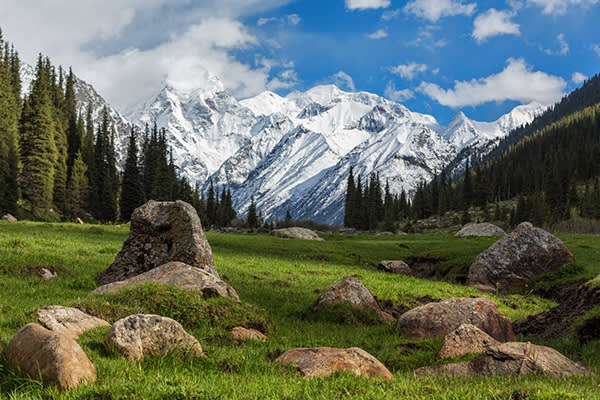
284	199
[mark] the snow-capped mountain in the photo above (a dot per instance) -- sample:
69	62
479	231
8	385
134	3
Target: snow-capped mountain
294	152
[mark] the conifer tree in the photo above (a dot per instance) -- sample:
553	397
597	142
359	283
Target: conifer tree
78	187
39	154
350	206
252	219
132	192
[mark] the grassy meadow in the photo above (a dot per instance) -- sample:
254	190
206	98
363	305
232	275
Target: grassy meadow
278	281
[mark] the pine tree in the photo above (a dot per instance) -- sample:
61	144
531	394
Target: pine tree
132	192
39	154
78	187
211	205
467	195
252	219
288	221
350	206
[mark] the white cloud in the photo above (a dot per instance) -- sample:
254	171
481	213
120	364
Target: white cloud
380	34
596	48
397	95
343	81
366	4
563	47
426	39
493	23
99	40
578	78
557	7
285	80
293	19
390	14
433	10
264	21
516	82
408	71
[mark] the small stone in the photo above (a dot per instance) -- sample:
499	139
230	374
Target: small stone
324	361
69	321
46	274
240	333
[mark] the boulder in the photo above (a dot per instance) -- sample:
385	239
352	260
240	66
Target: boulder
9	218
79	221
69	321
46	274
324	361
439	319
176	274
512	359
466	339
141	335
351	291
395	267
161	232
349	232
241	334
513	260
484	229
57	359
296	233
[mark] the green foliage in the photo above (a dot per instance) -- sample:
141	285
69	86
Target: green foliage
132	190
78	187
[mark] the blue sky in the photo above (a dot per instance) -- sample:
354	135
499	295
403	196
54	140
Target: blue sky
434	56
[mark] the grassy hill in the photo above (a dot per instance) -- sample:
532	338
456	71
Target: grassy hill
278	281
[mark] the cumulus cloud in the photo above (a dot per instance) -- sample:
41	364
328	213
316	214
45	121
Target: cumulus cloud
516	82
492	23
578	78
102	41
285	80
433	10
408	71
380	34
557	7
397	95
343	81
367	4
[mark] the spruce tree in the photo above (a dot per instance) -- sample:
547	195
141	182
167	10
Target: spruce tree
78	188
252	219
132	191
349	205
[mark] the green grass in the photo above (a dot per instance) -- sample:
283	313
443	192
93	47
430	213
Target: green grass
278	281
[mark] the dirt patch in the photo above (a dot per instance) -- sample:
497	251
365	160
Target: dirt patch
575	299
397	310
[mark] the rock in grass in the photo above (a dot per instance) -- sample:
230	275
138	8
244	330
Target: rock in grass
395	267
324	361
513	260
142	335
161	232
177	274
69	321
466	339
484	229
38	352
296	233
439	319
241	334
9	218
352	292
512	359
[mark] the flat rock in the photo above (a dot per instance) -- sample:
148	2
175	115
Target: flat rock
466	339
176	274
38	352
324	361
141	335
9	218
441	318
512	359
395	267
351	291
161	232
296	233
241	333
484	229
519	256
69	321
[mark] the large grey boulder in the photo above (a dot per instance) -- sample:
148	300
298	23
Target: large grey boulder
439	319
519	256
141	335
484	229
177	274
296	233
55	358
352	292
69	321
161	232
512	359
324	361
395	267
